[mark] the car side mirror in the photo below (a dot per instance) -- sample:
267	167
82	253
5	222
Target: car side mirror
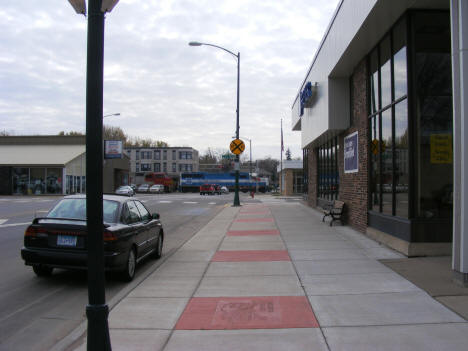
156	216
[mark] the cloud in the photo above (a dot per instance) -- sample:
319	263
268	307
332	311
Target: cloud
163	88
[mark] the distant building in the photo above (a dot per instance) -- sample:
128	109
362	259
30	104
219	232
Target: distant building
290	177
170	160
52	164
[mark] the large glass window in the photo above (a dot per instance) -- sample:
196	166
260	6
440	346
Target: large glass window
386	153
375	162
145	167
20	181
388	124
434	115
327	166
54	181
37	181
401	159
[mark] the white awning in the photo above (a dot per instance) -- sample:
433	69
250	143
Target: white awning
39	155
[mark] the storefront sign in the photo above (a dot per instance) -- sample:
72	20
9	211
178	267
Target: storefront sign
351	159
441	148
112	149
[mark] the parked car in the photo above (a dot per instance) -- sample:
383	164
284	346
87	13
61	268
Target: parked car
59	240
156	188
210	189
125	190
224	190
143	188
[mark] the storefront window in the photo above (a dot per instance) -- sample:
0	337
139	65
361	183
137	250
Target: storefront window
399	60
327	166
434	115
374	81
386	153
54	181
20	181
385	72
375	168
401	159
388	126
37	181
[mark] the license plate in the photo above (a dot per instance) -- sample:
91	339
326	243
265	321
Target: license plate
66	240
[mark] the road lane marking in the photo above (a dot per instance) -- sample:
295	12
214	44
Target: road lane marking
3	221
211	203
190	202
13	224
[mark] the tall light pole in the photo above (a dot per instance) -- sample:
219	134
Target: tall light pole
236	187
97	310
250	149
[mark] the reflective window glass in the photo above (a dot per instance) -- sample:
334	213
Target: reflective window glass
401	159
37	181
143	211
399	60
386	151
375	168
434	115
54	181
385	72
20	181
374	81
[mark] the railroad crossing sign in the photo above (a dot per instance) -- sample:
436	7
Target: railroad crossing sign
237	146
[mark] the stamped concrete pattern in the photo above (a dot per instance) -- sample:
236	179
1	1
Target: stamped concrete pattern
269	275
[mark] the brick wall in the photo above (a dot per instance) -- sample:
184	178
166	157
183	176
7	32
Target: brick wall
354	186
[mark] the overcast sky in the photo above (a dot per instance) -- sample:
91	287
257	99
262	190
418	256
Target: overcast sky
163	88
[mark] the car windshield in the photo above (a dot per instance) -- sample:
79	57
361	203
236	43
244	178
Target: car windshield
76	209
123	188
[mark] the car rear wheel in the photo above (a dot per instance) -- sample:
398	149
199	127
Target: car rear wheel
42	271
129	272
157	253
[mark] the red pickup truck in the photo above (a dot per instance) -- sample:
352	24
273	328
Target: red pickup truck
210	189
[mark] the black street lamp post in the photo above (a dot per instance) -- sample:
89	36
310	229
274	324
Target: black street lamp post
97	311
236	187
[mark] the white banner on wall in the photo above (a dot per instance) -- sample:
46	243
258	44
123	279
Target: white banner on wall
351	155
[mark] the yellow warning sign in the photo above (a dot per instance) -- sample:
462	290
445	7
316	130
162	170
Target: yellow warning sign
441	148
237	146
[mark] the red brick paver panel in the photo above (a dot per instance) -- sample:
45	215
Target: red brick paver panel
263	312
253	232
251	256
253	220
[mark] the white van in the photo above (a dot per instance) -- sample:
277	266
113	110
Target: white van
156	188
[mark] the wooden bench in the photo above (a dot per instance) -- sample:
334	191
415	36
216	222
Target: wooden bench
335	210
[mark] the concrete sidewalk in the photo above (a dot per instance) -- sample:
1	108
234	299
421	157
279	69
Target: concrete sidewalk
271	276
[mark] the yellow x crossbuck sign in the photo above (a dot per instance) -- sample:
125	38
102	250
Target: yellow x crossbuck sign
237	146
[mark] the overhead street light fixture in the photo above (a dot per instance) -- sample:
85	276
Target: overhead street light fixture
80	6
112	114
237	56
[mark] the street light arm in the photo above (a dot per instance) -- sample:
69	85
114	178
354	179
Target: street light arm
194	43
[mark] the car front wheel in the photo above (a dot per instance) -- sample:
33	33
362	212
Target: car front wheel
129	272
157	253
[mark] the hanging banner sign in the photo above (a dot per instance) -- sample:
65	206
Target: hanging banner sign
351	157
112	149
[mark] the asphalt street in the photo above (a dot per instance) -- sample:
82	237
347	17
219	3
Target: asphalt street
37	312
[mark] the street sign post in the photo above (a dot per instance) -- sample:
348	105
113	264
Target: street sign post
237	146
